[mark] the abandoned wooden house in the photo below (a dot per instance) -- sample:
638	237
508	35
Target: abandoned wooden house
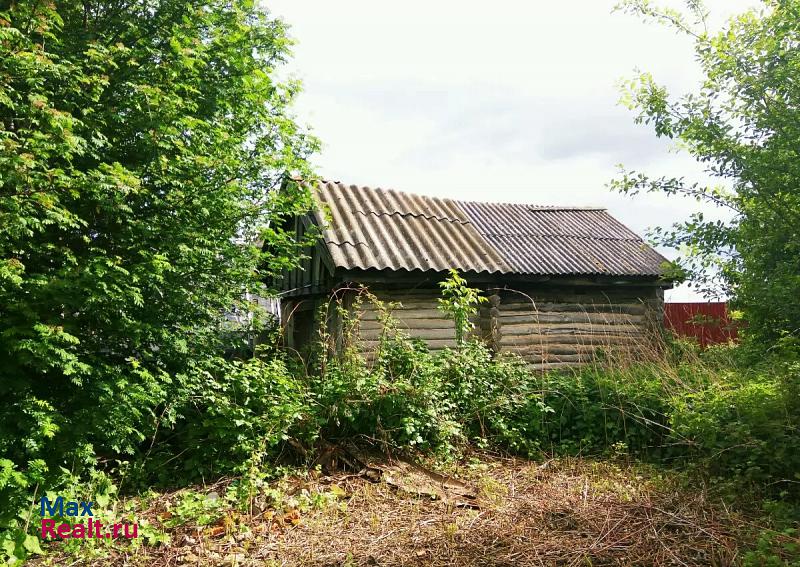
562	282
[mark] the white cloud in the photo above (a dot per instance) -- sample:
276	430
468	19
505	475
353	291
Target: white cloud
513	100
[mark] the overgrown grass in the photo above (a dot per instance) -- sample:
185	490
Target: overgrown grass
714	411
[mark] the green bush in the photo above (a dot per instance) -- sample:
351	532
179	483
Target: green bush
397	401
489	395
590	411
407	397
238	413
742	426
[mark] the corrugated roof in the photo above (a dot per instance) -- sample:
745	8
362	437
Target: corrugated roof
542	240
385	229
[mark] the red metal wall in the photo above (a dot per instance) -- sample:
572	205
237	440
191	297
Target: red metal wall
707	322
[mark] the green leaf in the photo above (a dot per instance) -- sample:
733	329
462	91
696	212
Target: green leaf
32	544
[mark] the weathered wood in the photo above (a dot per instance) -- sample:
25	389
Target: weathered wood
574	293
410	292
490	324
508	345
371	315
554	328
548	357
572	317
409	296
402	306
590	340
551	365
556	349
434	344
568	329
547	307
369	324
427	334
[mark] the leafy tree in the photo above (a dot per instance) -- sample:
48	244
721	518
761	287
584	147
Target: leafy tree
743	125
140	146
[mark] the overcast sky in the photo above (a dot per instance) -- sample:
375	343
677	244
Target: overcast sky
511	100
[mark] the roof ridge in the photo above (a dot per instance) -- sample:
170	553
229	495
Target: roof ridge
531	206
550	235
387	189
461	201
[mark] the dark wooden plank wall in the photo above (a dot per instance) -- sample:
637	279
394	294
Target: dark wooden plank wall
312	274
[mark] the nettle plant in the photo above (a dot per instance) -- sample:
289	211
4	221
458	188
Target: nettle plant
460	302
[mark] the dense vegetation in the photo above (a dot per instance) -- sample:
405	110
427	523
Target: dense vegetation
722	421
142	149
141	146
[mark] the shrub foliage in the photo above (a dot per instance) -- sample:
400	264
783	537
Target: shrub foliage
741	125
140	146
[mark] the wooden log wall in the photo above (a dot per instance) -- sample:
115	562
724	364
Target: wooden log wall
416	313
552	329
547	327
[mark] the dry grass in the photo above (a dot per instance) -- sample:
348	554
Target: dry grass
565	513
562	512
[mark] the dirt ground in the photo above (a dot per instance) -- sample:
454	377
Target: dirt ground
489	511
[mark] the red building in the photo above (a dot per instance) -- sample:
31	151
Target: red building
708	322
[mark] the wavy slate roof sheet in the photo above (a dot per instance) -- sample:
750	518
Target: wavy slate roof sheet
385	229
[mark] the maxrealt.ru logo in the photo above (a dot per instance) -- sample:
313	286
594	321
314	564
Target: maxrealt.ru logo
90	528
